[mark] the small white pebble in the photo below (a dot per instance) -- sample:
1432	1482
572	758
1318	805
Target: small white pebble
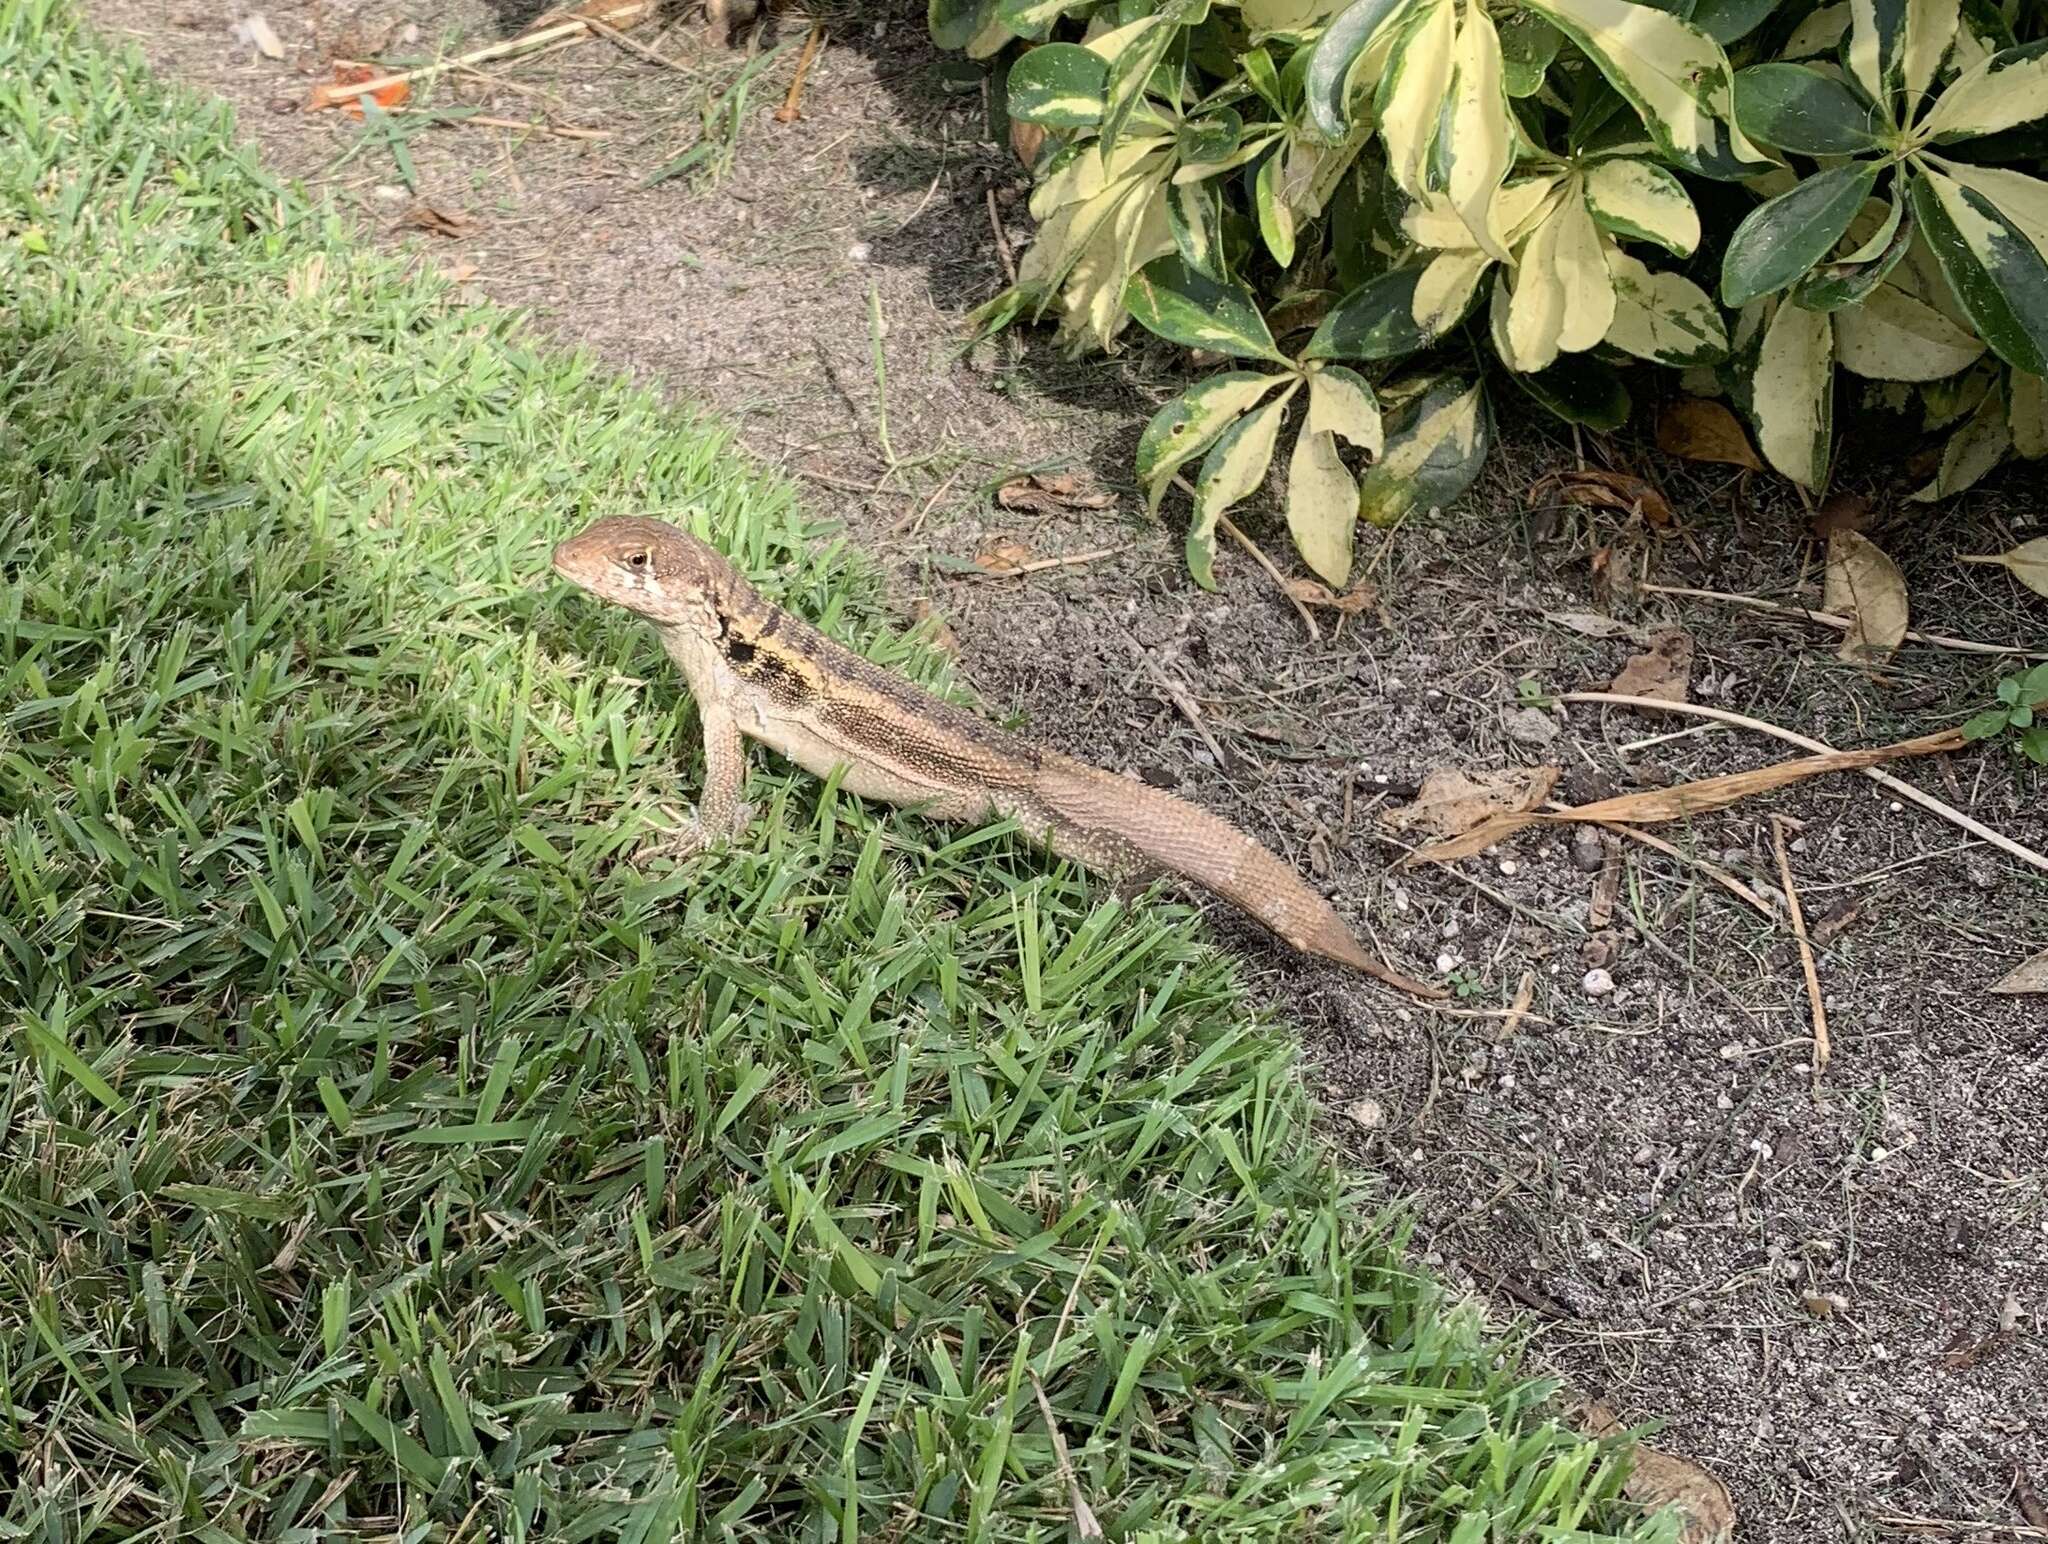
1597	983
1446	962
1723	1102
1879	1154
1896	806
858	252
1507	865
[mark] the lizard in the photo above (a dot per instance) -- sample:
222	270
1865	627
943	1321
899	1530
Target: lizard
760	672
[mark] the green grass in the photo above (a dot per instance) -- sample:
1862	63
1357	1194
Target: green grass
381	1158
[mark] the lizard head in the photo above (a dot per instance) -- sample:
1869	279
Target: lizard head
647	566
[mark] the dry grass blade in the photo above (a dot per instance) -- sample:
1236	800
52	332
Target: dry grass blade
1695	798
1715	872
1821	1048
1086	1524
1841	623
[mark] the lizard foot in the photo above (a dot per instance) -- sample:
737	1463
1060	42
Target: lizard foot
688	840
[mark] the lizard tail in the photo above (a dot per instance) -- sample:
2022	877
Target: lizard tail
1099	818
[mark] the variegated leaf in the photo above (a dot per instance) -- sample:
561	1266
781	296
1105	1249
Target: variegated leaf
2003	92
1412	90
1235	465
2027	414
1972	451
1890	336
1322	505
1792	393
1663	316
1437	438
1479	143
1189	424
1340	402
1641	199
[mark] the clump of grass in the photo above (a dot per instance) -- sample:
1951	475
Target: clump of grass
384	1159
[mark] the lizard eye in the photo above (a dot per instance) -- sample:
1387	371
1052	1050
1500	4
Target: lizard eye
637	560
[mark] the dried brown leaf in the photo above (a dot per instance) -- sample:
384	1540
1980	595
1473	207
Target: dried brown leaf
1592	624
1313	592
1841	512
1004	555
1606	490
1683	799
1025	140
2030	977
1663	671
437	222
1866	587
1041	493
1699	430
1658	1479
2028	563
1451	802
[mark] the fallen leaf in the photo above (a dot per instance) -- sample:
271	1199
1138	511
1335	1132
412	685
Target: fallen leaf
1004	555
1042	494
1684	799
1368	1114
2030	977
1606	490
345	90
1025	140
2031	1507
1451	802
1313	592
1593	625
2028	563
1866	587
424	216
1699	430
1841	916
255	30
1840	512
1663	671
1658	1479
459	272
1821	1305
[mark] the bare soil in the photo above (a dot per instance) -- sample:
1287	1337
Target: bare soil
1830	1288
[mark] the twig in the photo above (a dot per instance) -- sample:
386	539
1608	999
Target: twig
1878	775
1179	695
334	96
633	45
1720	876
523	125
1040	565
914	522
1315	633
1842	624
1086	1525
789	112
875	331
1813	997
995	223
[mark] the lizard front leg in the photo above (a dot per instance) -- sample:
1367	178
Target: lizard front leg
721	815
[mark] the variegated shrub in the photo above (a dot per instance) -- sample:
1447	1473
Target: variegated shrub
1355	202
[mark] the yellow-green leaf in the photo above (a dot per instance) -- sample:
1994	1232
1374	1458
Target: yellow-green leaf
1819	34
1641	199
1436	442
1191	423
1410	98
1481	145
1792	393
1235	465
1340	402
1562	297
1663	316
1443	292
1896	45
1972	450
2002	92
1322	505
2027	414
2028	563
1890	336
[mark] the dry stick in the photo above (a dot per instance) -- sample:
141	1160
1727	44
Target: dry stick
633	45
1315	633
995	223
1720	876
519	45
1926	801
1086	1525
1180	698
1842	624
1820	1012
1039	565
789	112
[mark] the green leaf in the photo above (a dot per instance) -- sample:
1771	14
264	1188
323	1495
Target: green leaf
1799	109
1236	464
1061	86
1727	20
1780	240
1998	278
1984	725
1030	19
1187	307
1374	321
1276	220
1327	81
954	23
1579	389
1528	44
1437	435
1190	423
1847	280
1194	213
1214	136
1972	451
1895	46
